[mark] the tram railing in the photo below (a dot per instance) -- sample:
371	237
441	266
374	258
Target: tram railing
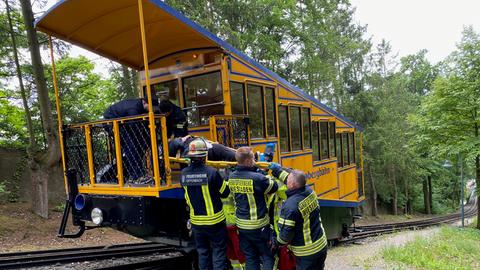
230	130
116	152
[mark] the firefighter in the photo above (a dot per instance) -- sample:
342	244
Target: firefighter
176	119
216	151
130	133
300	224
204	188
250	188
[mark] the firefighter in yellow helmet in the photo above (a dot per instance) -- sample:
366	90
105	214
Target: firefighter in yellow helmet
204	188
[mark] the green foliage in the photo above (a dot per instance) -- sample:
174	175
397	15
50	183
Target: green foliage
313	43
448	122
59	207
84	95
451	248
12	124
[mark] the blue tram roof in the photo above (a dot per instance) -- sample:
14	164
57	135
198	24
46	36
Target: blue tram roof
115	22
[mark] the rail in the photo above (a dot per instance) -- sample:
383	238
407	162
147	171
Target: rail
117	153
362	232
36	259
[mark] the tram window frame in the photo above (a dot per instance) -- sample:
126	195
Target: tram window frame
286	122
262	101
324	154
316	142
332	145
194	113
307	142
243	99
351	146
339	151
270	114
296	143
345	150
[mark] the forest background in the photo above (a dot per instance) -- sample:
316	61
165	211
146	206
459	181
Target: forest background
415	114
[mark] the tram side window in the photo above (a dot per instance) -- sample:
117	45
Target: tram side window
203	97
283	124
324	140
270	106
167	89
255	111
296	128
237	97
307	143
351	146
315	141
339	147
332	141
345	149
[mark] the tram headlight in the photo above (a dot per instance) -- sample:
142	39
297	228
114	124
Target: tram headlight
80	202
97	216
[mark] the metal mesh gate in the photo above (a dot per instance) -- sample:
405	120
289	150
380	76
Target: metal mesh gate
113	152
230	130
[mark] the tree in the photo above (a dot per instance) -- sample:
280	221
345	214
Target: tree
44	161
449	114
28	115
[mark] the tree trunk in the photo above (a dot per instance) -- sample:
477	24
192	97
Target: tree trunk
28	115
42	164
373	194
430	192
407	197
426	195
395	191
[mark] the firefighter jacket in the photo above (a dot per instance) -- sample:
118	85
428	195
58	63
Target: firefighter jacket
300	224
250	189
124	108
204	188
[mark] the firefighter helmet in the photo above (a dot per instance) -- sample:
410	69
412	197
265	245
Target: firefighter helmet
197	148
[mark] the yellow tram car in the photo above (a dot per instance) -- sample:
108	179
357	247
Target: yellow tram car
228	98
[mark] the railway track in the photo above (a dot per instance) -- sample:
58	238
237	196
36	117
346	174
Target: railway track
362	232
35	259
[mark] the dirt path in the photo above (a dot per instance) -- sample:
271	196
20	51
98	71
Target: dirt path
368	254
20	230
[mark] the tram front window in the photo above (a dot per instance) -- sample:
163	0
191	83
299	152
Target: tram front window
203	97
167	90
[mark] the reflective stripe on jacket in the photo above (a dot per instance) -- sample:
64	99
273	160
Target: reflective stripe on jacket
300	223
250	189
204	188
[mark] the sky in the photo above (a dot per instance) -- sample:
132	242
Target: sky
412	25
409	25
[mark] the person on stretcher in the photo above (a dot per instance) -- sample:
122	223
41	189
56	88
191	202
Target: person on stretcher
216	151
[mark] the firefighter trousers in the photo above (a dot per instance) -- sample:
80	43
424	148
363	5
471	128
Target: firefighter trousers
312	262
254	244
211	244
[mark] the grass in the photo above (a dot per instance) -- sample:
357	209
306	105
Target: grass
451	248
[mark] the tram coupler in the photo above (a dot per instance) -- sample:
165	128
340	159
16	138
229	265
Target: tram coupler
69	205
